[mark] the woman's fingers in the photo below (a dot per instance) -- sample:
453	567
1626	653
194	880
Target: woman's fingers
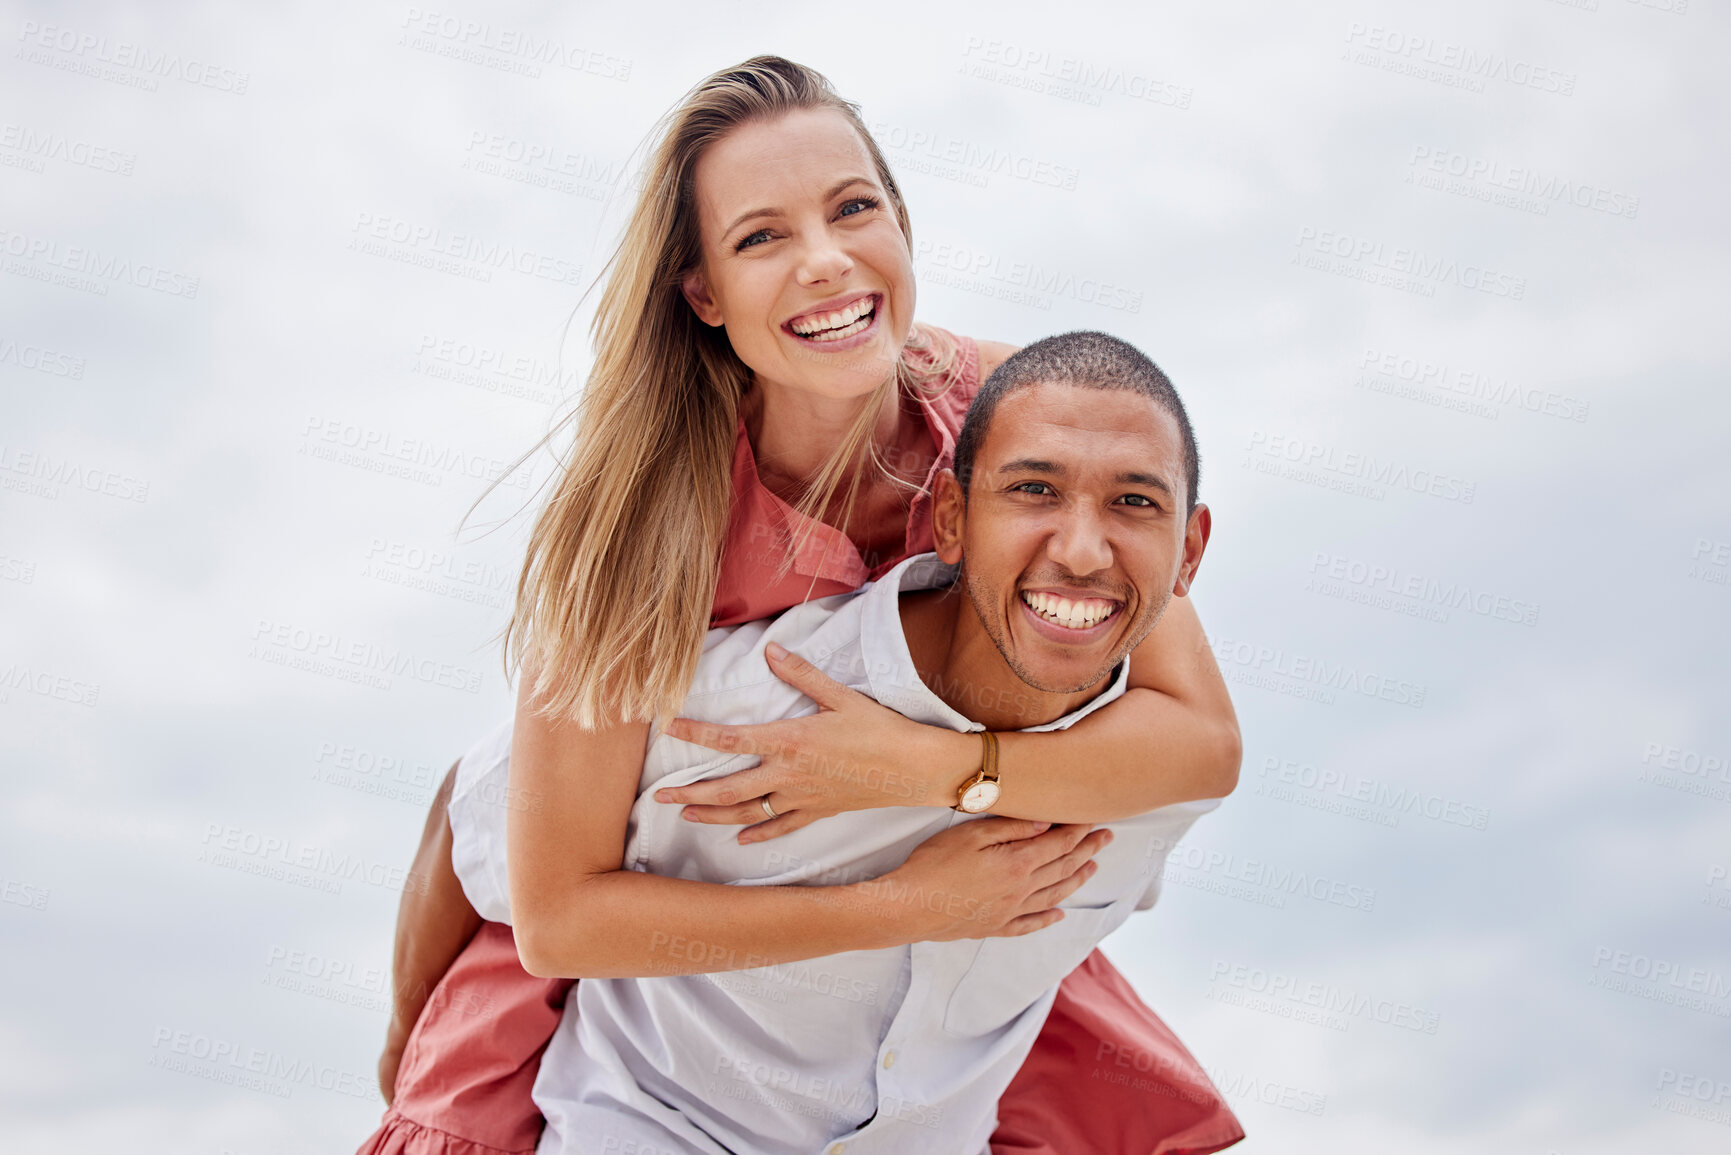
763	739
781	824
828	693
1048	897
740	814
1029	923
1070	861
751	816
995	829
1053	844
729	790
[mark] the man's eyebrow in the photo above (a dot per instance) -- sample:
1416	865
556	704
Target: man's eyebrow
1032	465
1055	469
836	190
1147	479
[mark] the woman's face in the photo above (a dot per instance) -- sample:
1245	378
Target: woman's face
803	261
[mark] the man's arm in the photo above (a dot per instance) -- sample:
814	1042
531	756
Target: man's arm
434	923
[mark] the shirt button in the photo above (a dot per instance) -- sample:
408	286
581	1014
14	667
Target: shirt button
837	1148
889	1059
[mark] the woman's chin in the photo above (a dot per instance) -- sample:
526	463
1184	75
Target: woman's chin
845	372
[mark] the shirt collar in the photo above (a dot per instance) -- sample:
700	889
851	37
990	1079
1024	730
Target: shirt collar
889	665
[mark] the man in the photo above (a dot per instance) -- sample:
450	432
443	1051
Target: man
1068	523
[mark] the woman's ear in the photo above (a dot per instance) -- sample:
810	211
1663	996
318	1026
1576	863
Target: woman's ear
696	291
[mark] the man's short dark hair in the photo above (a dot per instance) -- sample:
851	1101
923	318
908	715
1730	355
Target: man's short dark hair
1086	359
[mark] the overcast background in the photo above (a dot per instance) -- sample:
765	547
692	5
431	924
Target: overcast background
1442	284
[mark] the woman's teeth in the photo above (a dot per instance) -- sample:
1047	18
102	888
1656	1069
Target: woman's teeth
841	323
1077	615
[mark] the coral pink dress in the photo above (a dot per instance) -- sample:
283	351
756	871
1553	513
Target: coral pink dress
467	1070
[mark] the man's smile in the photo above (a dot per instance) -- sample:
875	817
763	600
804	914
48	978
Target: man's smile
1070	617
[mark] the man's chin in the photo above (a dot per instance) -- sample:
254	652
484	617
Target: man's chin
1061	677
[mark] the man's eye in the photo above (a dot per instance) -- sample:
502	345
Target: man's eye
1140	501
1039	488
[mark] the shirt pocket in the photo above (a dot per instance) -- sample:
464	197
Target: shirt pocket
1009	975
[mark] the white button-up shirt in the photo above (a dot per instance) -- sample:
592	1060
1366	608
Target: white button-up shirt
876	1052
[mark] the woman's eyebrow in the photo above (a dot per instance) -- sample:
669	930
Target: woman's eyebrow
752	214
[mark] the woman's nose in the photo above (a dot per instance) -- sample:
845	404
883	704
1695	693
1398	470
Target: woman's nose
823	259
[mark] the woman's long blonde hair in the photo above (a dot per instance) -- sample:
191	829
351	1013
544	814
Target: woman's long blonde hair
615	593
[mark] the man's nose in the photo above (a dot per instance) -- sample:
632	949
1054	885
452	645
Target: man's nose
1079	543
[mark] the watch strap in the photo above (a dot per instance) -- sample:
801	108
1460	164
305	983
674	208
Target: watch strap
988	771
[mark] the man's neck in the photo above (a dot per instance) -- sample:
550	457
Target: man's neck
959	662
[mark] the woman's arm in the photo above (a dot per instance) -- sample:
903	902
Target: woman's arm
1173	737
578	915
434	923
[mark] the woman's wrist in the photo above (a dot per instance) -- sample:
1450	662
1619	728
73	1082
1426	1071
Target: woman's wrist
892	907
948	758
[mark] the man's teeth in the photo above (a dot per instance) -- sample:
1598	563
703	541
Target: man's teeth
1077	615
841	323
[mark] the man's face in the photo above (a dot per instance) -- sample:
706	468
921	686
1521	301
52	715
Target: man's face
1073	537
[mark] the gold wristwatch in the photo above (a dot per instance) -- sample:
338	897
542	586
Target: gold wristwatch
980	793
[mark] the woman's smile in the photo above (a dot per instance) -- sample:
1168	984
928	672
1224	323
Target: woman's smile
834	325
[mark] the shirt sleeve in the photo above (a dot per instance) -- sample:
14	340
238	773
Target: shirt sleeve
480	800
1170	824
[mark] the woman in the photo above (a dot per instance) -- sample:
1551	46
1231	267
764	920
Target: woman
762	416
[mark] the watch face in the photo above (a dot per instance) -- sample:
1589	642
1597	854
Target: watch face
980	796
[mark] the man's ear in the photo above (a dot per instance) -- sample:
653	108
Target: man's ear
1195	541
949	513
696	291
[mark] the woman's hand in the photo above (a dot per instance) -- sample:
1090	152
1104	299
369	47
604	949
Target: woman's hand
390	1060
853	754
993	877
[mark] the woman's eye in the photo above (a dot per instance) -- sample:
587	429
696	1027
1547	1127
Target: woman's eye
857	206
755	238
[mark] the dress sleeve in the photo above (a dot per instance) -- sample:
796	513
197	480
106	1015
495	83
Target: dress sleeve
956	393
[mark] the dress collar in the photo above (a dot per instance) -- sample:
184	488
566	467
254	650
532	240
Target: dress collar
824	551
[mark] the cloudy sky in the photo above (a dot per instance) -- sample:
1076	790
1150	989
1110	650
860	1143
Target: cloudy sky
1437	281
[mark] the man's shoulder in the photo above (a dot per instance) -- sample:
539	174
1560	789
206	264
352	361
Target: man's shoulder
733	669
830	633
